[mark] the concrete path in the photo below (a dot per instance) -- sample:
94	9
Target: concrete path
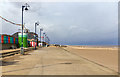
52	61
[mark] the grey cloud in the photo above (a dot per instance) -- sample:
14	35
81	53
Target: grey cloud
68	23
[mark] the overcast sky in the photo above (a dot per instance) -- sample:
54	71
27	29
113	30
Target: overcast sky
69	23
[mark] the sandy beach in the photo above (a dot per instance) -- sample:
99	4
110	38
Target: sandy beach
106	56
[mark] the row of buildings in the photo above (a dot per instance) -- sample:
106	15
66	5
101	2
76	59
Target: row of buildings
14	41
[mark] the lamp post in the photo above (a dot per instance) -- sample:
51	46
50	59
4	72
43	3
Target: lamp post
40	35
45	40
37	23
44	37
48	40
25	7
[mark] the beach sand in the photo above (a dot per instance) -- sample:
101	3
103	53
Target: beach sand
106	56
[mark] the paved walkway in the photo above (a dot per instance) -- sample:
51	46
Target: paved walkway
52	61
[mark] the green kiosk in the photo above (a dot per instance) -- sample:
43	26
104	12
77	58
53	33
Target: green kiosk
25	42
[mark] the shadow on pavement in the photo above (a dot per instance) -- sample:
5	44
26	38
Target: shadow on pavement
5	63
36	67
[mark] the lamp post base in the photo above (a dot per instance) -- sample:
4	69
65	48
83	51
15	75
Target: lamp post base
22	51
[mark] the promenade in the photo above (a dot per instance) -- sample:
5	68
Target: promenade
52	61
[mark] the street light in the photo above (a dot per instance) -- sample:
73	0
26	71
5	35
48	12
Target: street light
25	7
45	40
44	37
40	35
37	23
48	40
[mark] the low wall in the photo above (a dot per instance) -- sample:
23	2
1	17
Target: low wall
8	46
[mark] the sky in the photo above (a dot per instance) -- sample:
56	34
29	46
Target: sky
66	23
